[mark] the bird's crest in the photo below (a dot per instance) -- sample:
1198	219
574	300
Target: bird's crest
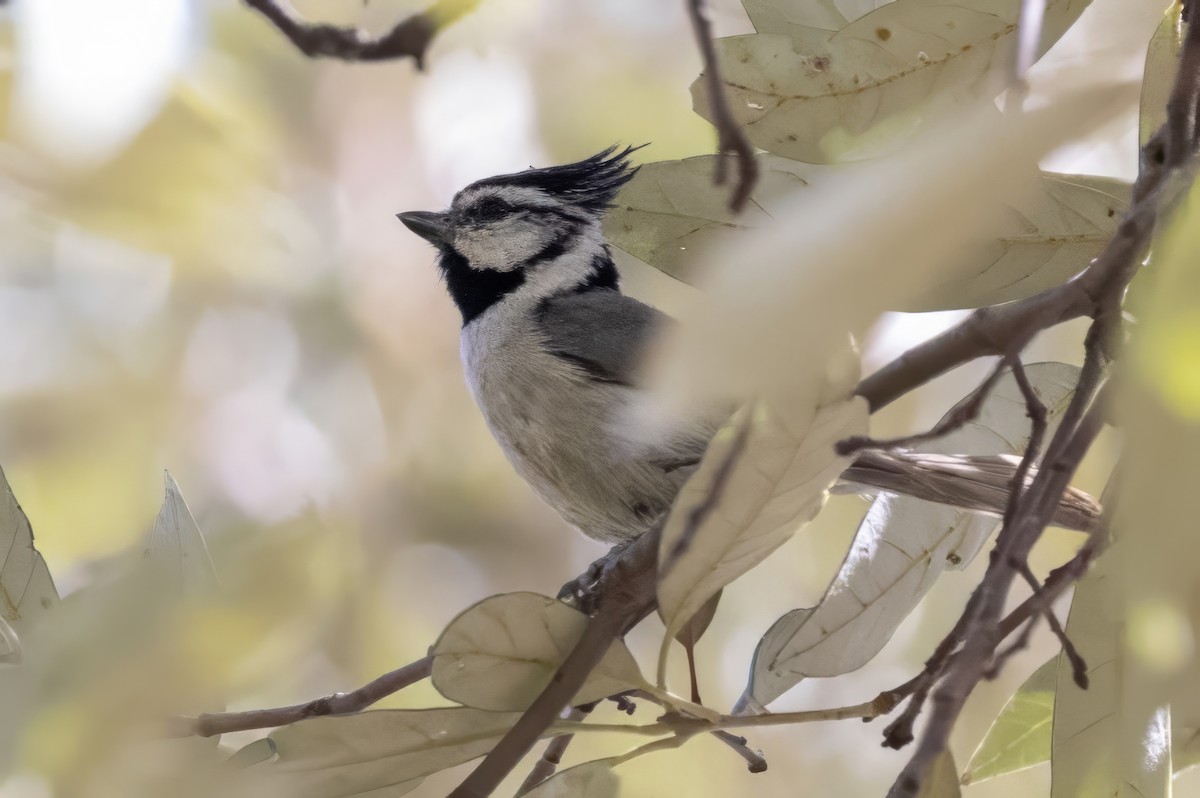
592	183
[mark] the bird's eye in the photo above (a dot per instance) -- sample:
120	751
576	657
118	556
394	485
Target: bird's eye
488	209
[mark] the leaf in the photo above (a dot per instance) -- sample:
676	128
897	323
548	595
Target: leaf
1020	735
671	211
1162	58
942	779
502	652
779	462
175	552
332	757
814	276
691	632
796	94
594	779
253	753
900	549
26	588
11	652
1105	743
1185	748
1047	238
799	20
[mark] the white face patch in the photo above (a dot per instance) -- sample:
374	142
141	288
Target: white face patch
501	227
502	245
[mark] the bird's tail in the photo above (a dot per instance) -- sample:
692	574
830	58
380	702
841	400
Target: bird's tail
973	482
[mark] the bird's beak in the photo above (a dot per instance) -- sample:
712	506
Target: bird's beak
433	227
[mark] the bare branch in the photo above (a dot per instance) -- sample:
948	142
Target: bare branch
965	412
336	704
409	38
731	139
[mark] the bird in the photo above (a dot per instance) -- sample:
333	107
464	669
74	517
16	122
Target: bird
552	350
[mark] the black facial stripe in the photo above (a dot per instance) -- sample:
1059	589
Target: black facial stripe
475	290
556	248
603	275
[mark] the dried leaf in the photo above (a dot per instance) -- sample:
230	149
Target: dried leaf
176	552
337	757
779	463
1020	736
26	588
900	549
594	779
502	652
796	93
816	275
1162	58
1105	742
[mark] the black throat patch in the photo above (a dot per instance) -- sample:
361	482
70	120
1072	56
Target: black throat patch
476	290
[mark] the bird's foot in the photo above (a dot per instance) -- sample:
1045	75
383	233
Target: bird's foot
582	592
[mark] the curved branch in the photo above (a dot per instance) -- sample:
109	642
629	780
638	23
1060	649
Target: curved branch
337	704
409	38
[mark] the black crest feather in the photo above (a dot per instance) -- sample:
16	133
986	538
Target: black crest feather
592	183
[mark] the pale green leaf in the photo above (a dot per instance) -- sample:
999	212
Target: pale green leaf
253	753
812	21
671	211
1047	238
781	301
942	779
502	652
594	779
26	588
175	552
1020	735
899	551
1162	58
1185	748
1105	744
797	94
337	757
779	462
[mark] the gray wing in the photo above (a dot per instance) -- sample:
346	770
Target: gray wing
606	334
602	331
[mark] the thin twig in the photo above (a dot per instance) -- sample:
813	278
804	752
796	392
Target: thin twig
1035	409
731	139
409	38
961	414
981	640
1079	667
755	762
336	704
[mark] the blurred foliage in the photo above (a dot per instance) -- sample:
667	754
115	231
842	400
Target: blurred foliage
222	290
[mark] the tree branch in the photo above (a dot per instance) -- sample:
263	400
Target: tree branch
409	38
337	704
627	595
731	139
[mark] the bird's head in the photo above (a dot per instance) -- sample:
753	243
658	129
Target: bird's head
536	231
